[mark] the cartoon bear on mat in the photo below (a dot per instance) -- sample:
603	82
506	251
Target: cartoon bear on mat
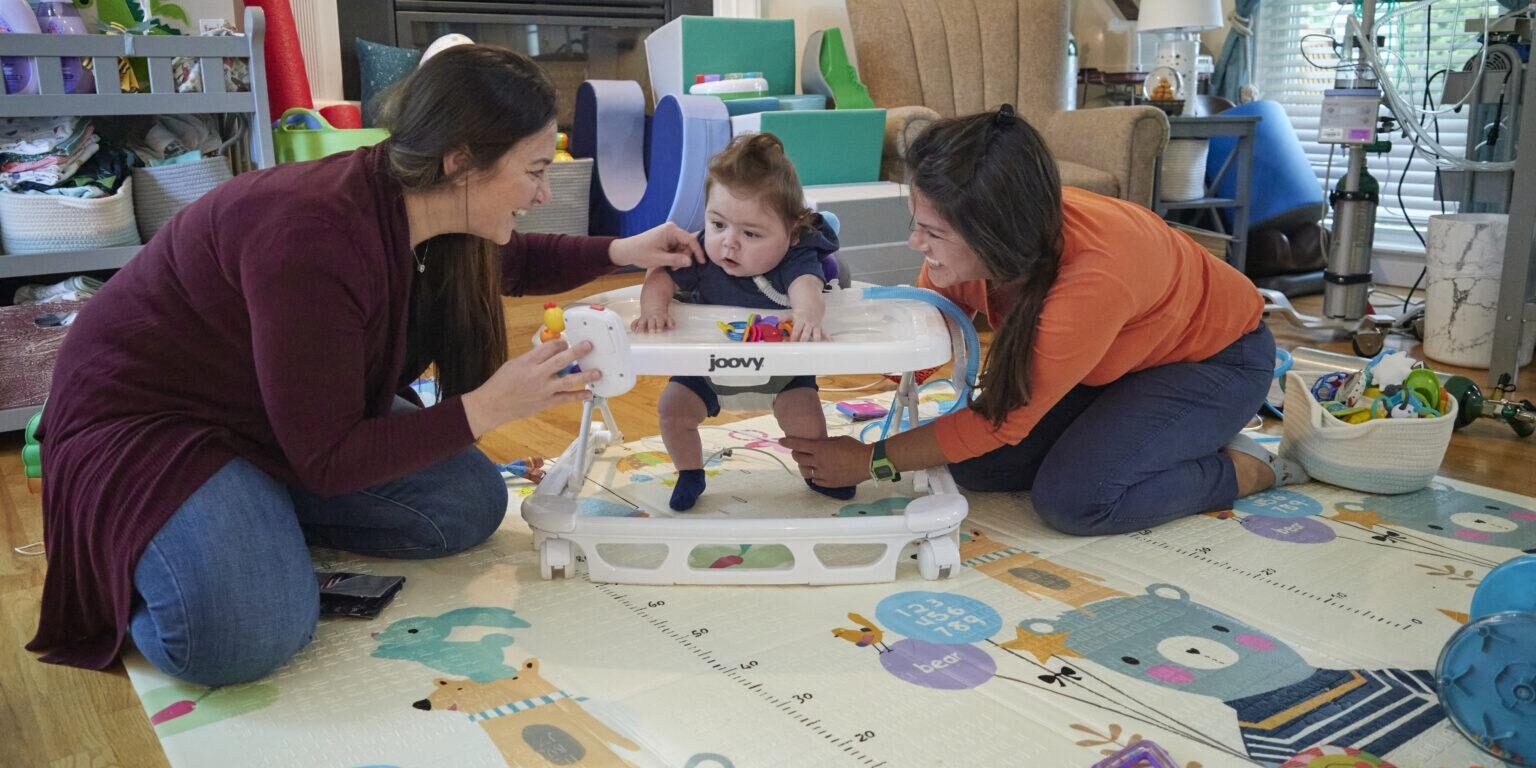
1283	704
1441	510
532	722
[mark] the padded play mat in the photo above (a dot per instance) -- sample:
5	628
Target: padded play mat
1306	621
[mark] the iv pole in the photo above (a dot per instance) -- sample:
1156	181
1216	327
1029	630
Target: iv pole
1347	278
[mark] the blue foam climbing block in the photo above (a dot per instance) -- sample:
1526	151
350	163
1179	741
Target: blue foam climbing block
627	196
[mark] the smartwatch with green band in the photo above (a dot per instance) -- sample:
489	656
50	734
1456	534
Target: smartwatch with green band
880	467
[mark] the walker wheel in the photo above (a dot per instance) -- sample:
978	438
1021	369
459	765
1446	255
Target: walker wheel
938	558
555	559
1368	343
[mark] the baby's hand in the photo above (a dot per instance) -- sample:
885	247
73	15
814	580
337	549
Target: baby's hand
652	322
808	330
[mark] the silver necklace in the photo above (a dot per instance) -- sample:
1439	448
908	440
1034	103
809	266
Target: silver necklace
421	259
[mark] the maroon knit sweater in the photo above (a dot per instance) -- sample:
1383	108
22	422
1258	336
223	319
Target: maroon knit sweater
267	321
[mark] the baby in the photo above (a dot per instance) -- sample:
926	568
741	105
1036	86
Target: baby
765	252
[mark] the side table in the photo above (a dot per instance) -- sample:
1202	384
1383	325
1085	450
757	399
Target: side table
1239	162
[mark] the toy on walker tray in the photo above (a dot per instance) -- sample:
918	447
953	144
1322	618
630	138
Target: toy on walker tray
758	328
874	329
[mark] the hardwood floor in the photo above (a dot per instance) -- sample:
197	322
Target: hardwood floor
58	716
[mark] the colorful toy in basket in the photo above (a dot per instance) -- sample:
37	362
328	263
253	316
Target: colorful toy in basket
1340	444
1389	386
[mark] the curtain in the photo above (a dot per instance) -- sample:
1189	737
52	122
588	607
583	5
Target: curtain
1236	59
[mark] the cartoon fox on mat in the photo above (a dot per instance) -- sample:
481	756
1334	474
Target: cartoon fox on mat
531	721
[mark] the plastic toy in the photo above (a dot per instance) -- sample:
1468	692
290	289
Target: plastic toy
758	328
1486	672
554	323
1137	754
874	329
563	147
530	469
554	328
605	331
32	455
1388	386
1520	416
861	411
1392	368
733	85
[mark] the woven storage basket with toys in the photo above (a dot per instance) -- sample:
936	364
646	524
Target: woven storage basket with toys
1384	429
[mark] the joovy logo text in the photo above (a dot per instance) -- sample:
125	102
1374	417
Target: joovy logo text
717	363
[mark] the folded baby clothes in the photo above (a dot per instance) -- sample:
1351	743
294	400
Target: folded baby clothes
74	289
36	135
53	174
173	136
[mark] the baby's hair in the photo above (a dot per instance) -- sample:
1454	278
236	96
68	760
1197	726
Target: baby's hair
756	165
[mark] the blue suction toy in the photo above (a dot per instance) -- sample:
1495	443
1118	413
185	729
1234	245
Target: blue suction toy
1487	672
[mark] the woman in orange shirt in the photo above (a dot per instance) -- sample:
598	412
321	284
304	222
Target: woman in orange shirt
1126	359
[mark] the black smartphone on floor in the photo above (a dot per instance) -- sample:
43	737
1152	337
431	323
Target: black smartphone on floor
356	594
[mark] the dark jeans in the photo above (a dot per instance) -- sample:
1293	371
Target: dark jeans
1140	451
226	590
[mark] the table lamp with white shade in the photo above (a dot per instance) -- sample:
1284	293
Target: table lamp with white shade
1180	22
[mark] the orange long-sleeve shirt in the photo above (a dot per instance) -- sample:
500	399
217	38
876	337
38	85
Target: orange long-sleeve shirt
1131	293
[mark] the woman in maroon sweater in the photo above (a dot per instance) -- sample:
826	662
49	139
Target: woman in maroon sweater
240	388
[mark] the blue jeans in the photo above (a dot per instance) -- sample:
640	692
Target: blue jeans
226	590
1137	452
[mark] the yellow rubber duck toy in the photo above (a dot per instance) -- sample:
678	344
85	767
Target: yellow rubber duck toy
563	147
554	323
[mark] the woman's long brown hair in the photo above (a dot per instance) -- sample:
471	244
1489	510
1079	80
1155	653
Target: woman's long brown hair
481	100
992	179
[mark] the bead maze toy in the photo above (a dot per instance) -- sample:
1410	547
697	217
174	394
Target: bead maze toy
874	330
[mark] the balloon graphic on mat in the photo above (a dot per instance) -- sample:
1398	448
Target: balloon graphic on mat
940	618
1279	502
944	667
940	628
1295	530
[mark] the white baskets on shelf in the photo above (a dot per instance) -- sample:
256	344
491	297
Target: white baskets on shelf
1183	171
32	223
163	190
1378	456
570	186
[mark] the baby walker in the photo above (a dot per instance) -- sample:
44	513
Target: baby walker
874	330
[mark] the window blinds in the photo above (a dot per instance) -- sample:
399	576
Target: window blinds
1417	45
